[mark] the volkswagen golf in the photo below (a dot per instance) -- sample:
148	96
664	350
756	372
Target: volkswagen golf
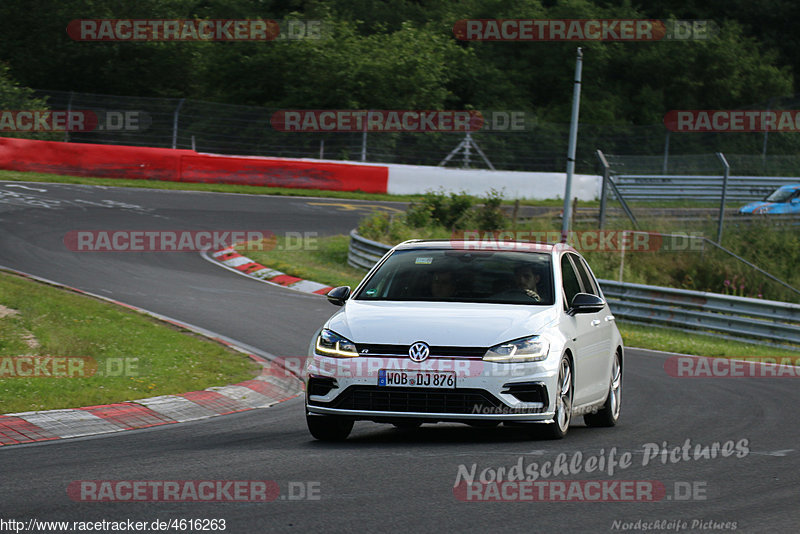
472	332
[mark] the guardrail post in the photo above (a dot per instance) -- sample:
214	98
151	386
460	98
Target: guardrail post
69	114
726	173
363	140
604	187
175	124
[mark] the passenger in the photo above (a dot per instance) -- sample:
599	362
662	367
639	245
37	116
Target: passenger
442	284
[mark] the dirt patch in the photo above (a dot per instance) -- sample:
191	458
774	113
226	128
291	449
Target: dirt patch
27	337
6	311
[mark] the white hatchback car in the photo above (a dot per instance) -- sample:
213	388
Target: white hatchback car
460	331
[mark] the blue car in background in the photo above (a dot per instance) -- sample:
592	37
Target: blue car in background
785	199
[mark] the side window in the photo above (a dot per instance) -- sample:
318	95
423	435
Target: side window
570	279
589	284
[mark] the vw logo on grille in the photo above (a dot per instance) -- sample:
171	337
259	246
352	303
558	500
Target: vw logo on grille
419	351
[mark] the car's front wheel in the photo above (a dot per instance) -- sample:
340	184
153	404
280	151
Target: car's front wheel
609	413
329	427
563	414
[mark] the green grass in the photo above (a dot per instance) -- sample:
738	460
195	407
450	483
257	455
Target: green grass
326	263
670	340
322	260
161	359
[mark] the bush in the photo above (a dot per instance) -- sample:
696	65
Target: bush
437	209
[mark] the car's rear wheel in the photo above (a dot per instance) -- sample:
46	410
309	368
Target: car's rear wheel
329	427
609	413
563	414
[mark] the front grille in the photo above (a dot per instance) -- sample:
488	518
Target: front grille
436	352
423	400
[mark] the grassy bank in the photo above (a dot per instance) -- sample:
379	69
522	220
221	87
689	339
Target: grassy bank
112	354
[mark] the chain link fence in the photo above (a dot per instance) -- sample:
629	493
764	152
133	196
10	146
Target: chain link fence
538	146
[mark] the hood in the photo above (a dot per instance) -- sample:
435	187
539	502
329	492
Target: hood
439	323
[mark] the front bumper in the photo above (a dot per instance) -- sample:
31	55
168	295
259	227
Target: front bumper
522	392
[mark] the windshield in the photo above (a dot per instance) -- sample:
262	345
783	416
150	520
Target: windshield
780	195
462	276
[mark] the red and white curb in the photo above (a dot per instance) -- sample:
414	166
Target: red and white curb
229	258
275	384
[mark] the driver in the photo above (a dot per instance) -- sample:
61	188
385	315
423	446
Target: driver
527	279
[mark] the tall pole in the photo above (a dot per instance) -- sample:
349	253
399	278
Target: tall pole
573	140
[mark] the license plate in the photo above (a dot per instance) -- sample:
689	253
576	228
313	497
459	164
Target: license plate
417	379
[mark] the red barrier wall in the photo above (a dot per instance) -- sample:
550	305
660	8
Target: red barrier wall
79	159
279	172
146	163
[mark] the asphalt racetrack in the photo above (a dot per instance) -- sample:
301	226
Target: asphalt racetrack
381	479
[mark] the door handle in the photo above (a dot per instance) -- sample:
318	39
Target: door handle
596	322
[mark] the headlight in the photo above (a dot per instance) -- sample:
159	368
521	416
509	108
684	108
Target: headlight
529	349
330	343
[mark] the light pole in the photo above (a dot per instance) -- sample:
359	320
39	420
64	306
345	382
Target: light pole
573	140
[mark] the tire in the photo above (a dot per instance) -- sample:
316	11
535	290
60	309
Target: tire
608	415
329	427
564	394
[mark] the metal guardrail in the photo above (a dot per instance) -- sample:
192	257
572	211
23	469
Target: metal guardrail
363	253
717	314
726	314
676	187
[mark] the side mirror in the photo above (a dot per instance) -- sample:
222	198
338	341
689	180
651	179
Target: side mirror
586	303
338	295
